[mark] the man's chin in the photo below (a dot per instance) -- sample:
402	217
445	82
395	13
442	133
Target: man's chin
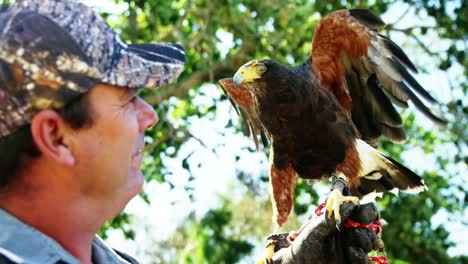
133	188
139	180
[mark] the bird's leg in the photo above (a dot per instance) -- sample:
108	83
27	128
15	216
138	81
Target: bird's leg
336	198
340	186
283	183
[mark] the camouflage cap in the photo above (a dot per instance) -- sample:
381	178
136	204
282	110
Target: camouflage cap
53	51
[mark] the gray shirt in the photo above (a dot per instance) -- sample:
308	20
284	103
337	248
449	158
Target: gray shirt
21	243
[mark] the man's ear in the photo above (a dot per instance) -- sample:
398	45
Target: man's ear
48	130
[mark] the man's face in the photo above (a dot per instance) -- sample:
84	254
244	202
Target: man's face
108	154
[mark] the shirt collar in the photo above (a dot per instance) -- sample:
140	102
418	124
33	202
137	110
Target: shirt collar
31	246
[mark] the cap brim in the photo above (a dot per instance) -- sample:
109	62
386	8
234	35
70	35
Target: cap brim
147	65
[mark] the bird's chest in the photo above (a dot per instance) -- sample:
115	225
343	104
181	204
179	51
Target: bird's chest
286	115
281	109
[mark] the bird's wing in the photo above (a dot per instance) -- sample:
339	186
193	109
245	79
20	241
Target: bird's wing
367	72
243	103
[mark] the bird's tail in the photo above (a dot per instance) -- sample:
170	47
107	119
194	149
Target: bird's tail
381	173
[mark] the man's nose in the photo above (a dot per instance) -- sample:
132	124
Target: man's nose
147	117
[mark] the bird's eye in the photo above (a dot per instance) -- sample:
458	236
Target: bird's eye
261	68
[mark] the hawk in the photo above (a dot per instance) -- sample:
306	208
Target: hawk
324	117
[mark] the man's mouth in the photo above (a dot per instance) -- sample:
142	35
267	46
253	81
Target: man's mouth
137	158
137	153
139	144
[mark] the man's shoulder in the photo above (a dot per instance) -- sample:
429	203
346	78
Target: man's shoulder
103	253
8	257
125	256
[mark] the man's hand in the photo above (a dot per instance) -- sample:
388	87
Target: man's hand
321	242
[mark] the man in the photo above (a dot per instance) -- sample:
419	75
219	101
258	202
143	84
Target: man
71	130
72	136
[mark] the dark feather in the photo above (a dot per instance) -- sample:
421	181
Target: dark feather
395	134
395	100
424	109
397	52
367	18
390	174
411	81
264	138
385	110
234	105
361	115
247	126
372	112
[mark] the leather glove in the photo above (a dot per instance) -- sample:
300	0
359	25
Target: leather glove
321	241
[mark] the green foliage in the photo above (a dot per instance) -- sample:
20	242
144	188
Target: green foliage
305	196
211	241
122	222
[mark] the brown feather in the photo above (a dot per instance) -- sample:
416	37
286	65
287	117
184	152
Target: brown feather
366	72
241	96
243	99
283	184
336	35
351	167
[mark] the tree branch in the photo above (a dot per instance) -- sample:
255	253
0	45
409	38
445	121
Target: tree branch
407	31
402	15
169	135
165	137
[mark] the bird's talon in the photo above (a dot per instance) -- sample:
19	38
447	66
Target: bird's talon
334	201
268	254
338	227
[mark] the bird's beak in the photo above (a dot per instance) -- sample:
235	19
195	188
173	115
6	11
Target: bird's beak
246	74
238	79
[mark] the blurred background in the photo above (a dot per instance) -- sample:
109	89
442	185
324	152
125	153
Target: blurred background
206	194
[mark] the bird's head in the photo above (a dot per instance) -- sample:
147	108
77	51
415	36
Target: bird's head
249	72
255	73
